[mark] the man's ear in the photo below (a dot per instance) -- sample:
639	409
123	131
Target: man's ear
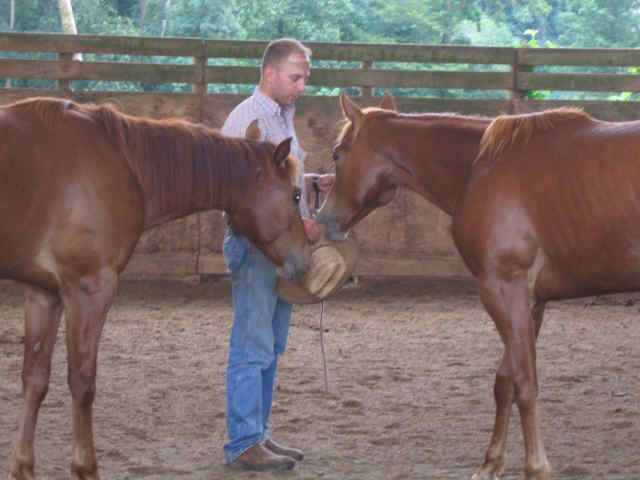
268	73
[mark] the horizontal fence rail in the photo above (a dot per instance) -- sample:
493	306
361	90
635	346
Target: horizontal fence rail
514	71
202	80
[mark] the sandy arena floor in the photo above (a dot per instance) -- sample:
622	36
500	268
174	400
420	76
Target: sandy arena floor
411	368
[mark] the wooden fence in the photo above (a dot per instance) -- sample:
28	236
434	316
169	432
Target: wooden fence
409	237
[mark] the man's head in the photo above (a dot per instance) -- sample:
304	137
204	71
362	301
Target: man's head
285	70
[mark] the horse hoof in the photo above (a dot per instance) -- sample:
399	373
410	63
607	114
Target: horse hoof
17	473
23	476
84	474
492	476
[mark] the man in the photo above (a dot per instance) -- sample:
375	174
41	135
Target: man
261	318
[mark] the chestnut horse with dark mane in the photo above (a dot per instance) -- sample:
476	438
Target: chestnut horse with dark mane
79	185
544	206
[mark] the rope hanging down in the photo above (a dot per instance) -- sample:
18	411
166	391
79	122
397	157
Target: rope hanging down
324	356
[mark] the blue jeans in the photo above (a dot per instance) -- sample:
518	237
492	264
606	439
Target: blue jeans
261	322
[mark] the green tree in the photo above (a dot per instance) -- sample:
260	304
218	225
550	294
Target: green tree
486	32
573	23
33	16
600	23
204	18
320	20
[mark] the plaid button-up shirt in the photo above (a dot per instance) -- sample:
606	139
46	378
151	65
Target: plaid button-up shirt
275	124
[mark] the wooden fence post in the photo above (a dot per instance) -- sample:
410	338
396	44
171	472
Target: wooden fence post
201	86
63	84
365	91
515	95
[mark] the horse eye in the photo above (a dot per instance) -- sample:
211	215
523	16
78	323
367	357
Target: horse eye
336	157
296	197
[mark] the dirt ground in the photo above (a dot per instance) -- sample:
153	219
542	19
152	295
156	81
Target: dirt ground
411	366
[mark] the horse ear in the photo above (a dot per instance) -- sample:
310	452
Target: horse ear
282	151
253	131
388	103
350	109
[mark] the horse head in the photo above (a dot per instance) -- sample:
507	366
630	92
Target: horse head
268	213
363	167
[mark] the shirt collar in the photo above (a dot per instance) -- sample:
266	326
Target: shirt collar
271	106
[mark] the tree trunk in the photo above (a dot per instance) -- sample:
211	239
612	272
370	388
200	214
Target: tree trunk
143	13
12	19
164	20
66	17
68	22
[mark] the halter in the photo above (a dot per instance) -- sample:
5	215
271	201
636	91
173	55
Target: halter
316	189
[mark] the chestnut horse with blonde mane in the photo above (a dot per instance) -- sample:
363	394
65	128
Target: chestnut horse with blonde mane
80	183
544	206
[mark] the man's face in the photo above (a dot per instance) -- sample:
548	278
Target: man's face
289	79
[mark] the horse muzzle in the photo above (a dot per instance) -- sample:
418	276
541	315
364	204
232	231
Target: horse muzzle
334	233
296	263
332	222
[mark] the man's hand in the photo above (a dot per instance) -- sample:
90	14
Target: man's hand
312	230
325	182
317	188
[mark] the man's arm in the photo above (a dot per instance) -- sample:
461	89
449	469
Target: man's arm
322	182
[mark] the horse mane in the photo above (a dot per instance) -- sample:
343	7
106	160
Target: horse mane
49	109
172	157
413	116
506	130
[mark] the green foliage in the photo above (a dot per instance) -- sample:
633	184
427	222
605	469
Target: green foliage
320	20
192	18
32	16
486	32
100	17
599	23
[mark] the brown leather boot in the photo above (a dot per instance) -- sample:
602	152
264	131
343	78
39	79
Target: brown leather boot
259	458
280	450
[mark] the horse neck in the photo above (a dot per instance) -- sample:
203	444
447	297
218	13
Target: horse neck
183	168
437	153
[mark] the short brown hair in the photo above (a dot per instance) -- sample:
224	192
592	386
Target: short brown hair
280	49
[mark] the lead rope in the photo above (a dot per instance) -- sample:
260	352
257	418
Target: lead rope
324	355
316	189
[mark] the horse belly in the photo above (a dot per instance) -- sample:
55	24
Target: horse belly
592	235
559	282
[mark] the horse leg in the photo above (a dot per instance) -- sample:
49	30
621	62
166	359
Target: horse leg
42	312
503	392
87	302
509	304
